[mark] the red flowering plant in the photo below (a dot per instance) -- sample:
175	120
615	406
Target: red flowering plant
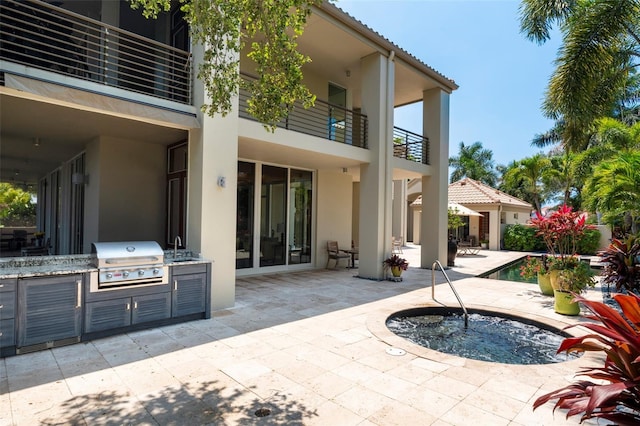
561	232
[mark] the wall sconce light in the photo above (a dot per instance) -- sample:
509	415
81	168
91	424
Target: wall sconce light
79	179
344	170
348	73
222	181
36	142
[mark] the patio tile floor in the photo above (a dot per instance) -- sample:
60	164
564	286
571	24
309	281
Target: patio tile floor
310	347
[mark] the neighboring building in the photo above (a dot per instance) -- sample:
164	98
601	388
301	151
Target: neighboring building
100	111
497	209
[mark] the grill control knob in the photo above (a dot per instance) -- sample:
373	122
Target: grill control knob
156	271
125	274
109	275
140	273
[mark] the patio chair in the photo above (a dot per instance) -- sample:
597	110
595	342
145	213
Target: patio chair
334	252
396	245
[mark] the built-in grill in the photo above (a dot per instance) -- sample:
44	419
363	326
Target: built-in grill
128	263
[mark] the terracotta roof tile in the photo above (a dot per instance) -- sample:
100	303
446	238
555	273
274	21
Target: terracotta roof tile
469	191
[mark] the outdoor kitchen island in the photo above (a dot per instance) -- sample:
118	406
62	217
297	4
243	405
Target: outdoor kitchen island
51	301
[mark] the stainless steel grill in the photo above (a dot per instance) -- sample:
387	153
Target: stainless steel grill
128	263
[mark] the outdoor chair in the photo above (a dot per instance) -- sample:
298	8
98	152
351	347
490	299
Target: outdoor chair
334	252
396	245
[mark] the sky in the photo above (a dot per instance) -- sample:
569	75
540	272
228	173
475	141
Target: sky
477	43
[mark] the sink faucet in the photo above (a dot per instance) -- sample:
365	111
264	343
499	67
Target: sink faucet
176	242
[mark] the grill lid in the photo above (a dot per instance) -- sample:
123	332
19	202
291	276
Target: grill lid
127	253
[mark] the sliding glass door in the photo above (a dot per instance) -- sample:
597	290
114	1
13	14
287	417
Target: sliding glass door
274	226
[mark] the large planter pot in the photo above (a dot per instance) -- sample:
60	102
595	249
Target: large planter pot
396	271
564	303
553	278
452	249
544	282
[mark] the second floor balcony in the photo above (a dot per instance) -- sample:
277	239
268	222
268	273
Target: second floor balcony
39	35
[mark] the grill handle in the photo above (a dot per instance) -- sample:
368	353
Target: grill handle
79	294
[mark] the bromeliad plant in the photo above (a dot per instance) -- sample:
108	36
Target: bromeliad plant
615	394
395	261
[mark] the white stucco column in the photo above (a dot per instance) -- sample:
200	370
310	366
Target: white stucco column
376	177
399	210
211	216
433	226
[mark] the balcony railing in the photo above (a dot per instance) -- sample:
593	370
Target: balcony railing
410	146
39	35
323	120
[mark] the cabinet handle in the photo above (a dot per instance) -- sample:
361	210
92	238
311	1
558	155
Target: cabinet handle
0	333
1	306
79	294
135	305
128	306
1	285
175	284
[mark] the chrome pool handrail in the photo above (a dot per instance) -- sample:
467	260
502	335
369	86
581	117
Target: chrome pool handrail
433	289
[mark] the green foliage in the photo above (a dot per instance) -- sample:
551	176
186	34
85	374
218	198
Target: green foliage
575	277
614	395
16	207
533	266
223	27
589	242
474	162
522	238
454	221
600	50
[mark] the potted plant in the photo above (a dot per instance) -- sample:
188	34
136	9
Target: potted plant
396	264
614	395
538	267
571	281
561	232
454	221
484	244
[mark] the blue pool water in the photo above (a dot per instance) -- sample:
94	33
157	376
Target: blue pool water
487	338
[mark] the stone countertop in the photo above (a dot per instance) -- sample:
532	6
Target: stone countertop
40	266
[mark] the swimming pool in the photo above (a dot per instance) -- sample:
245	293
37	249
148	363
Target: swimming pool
511	272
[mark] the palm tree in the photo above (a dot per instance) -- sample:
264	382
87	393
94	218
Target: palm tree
614	187
474	162
601	47
524	178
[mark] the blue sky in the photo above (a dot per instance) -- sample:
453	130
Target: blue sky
477	43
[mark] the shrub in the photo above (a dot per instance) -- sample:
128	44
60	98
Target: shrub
621	266
521	238
589	242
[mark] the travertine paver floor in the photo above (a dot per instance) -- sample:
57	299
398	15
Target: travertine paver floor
310	347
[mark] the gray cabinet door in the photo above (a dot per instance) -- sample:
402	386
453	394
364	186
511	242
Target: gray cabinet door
49	309
7	333
107	314
151	307
189	294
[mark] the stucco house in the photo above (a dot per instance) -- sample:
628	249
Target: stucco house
101	113
497	209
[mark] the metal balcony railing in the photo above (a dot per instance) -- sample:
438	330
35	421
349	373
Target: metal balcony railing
39	35
323	120
410	146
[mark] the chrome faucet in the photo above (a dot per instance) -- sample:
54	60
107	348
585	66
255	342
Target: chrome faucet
176	242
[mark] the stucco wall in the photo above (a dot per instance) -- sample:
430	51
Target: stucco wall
334	212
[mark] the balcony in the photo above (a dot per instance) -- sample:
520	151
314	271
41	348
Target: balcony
323	120
410	146
42	36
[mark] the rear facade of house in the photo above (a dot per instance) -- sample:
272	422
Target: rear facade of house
101	115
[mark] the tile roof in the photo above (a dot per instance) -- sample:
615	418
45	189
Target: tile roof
469	191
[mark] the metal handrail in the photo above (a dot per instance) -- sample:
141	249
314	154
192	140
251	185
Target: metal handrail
433	289
39	35
324	120
410	146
